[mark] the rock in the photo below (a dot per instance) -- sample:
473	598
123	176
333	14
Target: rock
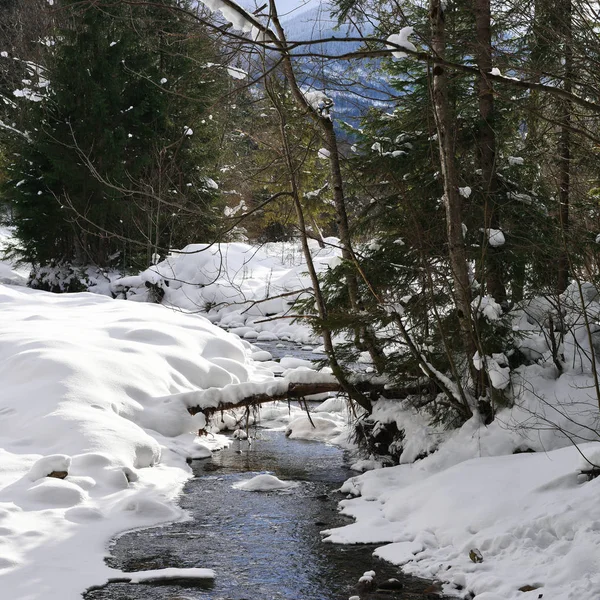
391	584
528	588
475	555
433	590
367	582
58	474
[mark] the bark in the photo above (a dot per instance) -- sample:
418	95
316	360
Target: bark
487	146
564	150
452	199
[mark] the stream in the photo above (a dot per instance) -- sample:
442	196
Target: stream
262	545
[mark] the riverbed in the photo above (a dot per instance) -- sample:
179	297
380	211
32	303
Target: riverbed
262	545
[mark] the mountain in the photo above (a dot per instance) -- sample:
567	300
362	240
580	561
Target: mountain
355	85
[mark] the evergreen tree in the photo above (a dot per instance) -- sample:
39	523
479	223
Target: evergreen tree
123	141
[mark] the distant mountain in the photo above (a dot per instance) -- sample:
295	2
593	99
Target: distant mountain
355	85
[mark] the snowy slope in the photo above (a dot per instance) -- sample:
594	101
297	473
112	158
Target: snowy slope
230	283
86	388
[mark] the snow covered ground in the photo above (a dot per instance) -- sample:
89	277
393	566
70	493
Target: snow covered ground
532	518
498	512
92	395
249	290
9	272
99	389
87	390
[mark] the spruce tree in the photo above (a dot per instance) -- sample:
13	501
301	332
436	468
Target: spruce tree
121	144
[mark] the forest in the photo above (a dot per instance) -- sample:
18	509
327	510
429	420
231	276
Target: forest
405	194
463	192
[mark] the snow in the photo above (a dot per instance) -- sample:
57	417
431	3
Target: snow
28	94
496	367
487	307
323	154
263	483
495	237
401	39
169	574
465	192
9	271
318	100
237	73
246	289
97	390
47	464
532	517
90	388
234	393
323	428
533	523
240	19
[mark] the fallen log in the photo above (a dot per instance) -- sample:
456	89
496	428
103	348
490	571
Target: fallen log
295	391
298	391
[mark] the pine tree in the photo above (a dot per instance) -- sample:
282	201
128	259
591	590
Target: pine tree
121	143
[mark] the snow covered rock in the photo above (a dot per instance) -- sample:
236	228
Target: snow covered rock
316	428
54	465
263	483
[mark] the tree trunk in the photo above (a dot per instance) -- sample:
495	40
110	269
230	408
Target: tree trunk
564	149
365	339
336	368
452	199
487	148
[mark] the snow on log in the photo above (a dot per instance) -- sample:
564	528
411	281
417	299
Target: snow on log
295	385
154	575
298	384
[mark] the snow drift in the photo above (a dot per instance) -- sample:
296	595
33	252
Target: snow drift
236	286
93	439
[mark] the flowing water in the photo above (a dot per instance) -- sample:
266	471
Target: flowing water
262	545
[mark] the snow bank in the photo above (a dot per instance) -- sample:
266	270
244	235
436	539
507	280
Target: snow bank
530	516
246	289
9	271
89	396
517	492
